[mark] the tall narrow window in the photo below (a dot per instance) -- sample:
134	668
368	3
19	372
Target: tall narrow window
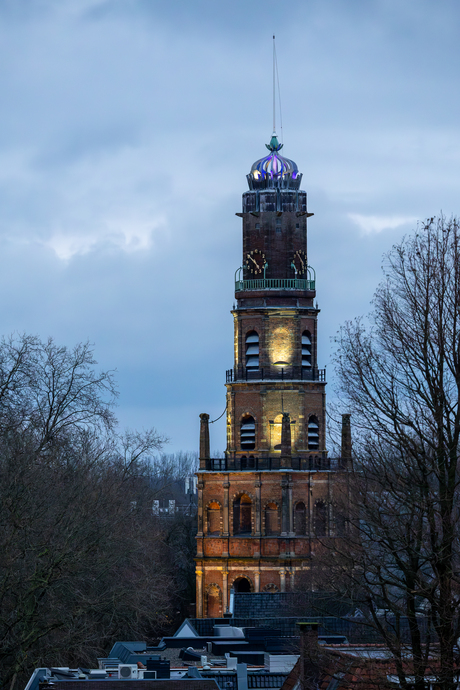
313	433
340	524
306	349
271	519
242	510
214	518
300	517
252	350
320	519
248	433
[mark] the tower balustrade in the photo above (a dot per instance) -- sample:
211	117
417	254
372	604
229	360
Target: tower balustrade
274	373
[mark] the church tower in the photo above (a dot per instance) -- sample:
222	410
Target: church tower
264	508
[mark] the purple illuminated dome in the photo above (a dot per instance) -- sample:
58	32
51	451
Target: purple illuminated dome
274	170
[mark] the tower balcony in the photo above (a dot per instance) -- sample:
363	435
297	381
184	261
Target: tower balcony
318	462
274	284
293	373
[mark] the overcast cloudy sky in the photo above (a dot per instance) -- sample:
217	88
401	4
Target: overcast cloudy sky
126	130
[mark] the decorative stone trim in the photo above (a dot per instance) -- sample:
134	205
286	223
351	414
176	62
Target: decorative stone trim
271	587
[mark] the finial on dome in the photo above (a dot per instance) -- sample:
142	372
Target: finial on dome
274	144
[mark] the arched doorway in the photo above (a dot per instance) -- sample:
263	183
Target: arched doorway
242	584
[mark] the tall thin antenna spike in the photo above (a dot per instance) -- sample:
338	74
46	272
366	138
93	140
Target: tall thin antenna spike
279	96
274	62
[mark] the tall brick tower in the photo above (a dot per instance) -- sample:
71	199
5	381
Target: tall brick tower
266	506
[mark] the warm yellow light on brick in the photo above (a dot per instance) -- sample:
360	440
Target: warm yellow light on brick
276	432
281	347
235	337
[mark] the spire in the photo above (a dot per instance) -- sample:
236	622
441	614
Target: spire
274	109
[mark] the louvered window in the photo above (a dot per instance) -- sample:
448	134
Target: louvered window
252	350
248	433
313	433
306	349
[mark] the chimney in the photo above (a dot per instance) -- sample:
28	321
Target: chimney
309	670
204	440
286	440
242	676
346	441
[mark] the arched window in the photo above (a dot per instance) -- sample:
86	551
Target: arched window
251	462
252	350
244	462
248	433
300	519
242	584
214	518
313	433
320	519
242	513
271	588
306	349
271	519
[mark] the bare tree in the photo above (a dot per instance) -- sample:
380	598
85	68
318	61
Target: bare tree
84	559
399	376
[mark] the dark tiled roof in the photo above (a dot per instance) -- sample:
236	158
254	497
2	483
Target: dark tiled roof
229	681
280	604
361	668
182	684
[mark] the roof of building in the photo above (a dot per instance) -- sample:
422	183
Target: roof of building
366	667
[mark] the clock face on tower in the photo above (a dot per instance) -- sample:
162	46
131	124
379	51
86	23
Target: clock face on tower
300	262
255	261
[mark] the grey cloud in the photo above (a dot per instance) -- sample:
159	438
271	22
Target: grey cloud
126	131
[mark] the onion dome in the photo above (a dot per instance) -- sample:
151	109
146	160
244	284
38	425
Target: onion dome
274	170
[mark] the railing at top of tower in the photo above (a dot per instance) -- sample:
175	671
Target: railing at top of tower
275	283
314	462
275	373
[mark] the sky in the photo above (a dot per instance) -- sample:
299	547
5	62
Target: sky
127	128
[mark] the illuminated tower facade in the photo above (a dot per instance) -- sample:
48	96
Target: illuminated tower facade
265	508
